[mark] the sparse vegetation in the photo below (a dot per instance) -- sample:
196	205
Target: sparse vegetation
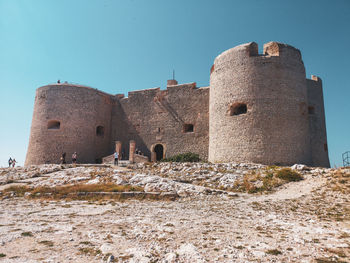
274	252
266	180
2	255
183	158
74	192
87	243
47	243
288	175
27	234
89	251
340	182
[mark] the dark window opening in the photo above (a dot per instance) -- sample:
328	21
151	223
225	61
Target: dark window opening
100	131
158	129
159	150
188	128
325	146
53	125
311	110
238	108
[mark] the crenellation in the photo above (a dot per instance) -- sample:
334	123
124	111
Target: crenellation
316	78
281	50
245	115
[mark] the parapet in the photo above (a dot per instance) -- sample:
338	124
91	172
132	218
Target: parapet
314	83
281	50
316	78
145	92
192	85
271	49
69	85
248	49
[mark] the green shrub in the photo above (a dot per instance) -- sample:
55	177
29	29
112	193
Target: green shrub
27	234
183	157
289	175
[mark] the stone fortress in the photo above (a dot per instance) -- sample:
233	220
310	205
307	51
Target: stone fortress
259	108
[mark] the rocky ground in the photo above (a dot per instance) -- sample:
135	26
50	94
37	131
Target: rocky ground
221	213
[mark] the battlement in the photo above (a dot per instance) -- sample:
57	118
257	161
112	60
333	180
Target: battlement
245	50
316	78
281	50
250	50
145	92
314	83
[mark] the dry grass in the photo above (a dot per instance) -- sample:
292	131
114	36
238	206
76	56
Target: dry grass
91	192
266	180
288	175
274	252
47	243
89	251
70	191
340	181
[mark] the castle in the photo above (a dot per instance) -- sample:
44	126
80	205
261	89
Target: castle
259	108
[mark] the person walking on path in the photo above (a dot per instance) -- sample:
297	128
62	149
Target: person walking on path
116	156
14	162
74	158
10	162
63	158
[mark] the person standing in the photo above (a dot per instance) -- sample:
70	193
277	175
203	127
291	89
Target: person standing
10	162
14	162
74	157
116	156
63	158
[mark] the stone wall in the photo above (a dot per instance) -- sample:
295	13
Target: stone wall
157	116
272	86
319	147
79	111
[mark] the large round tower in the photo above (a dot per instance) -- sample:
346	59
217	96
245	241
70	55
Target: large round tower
69	118
258	106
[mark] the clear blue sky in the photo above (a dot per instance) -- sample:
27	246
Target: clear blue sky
119	46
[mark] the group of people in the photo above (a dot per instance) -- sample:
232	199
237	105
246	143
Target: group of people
63	158
12	162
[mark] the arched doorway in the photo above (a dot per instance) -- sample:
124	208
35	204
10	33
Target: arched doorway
159	150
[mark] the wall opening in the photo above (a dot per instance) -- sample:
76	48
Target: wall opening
188	128
159	150
100	131
311	110
238	108
325	146
53	125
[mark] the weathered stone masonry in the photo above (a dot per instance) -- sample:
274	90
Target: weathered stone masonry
261	108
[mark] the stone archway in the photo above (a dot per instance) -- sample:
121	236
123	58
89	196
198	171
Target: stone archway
157	152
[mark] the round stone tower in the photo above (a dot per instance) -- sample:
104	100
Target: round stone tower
258	106
69	118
